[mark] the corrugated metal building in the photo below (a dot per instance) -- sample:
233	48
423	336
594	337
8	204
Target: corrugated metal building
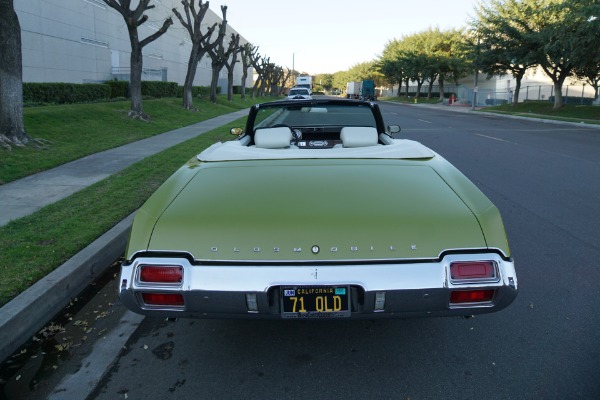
86	41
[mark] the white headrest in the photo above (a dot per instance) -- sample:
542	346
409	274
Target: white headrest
359	136
273	138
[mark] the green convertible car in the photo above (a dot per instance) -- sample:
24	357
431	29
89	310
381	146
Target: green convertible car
315	211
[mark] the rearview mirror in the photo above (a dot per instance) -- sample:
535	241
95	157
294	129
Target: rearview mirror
236	131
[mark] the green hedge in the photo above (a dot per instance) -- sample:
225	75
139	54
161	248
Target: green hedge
118	89
197	91
158	89
64	93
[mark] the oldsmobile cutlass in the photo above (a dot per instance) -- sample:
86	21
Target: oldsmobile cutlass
316	211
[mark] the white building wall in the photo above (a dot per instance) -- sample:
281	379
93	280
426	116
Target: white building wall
79	41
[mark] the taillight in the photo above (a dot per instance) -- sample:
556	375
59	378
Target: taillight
163	299
161	273
472	270
471	296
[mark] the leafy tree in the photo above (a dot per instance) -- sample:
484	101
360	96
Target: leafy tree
429	55
133	19
12	126
585	20
555	40
193	23
506	44
324	80
390	64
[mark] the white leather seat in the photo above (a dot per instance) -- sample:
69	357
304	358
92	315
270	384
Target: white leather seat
273	138
359	136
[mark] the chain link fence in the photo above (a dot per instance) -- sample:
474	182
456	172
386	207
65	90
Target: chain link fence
572	94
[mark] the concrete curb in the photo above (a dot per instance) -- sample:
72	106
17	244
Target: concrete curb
27	313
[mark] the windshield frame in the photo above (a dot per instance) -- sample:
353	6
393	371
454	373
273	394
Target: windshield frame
281	106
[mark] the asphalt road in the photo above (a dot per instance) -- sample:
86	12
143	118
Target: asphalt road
544	178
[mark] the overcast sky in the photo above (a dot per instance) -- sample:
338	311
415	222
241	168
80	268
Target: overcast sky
326	36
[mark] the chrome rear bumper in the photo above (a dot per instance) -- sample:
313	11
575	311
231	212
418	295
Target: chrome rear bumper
410	288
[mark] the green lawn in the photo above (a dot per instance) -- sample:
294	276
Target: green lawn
544	109
77	130
35	245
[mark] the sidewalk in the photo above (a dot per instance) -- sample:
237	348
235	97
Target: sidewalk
26	314
26	196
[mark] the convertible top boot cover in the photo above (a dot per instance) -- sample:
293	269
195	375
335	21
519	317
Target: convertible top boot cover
312	210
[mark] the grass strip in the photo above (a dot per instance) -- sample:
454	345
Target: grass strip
78	130
33	246
545	110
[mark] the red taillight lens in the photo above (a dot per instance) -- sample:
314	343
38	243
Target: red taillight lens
163	299
471	296
472	270
161	273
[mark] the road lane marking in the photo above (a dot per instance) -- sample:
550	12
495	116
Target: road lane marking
427	122
495	138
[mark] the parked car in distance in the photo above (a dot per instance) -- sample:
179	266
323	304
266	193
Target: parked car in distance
316	211
297	93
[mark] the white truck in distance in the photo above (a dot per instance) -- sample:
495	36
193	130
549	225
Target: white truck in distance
304	82
353	90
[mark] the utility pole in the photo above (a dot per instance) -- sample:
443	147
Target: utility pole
475	89
293	70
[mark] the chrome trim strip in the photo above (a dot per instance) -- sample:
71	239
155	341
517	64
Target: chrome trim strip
440	256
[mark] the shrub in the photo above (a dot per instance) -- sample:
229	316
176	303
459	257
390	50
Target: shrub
64	93
197	91
118	89
158	89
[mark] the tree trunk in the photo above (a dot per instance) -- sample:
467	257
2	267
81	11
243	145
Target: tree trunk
135	79
12	126
255	89
441	82
243	83
230	84
518	79
188	101
214	81
558	97
419	86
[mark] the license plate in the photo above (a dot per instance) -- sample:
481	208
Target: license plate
315	302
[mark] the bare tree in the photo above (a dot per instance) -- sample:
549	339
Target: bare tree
260	65
220	53
245	55
133	19
192	23
230	65
255	59
12	126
